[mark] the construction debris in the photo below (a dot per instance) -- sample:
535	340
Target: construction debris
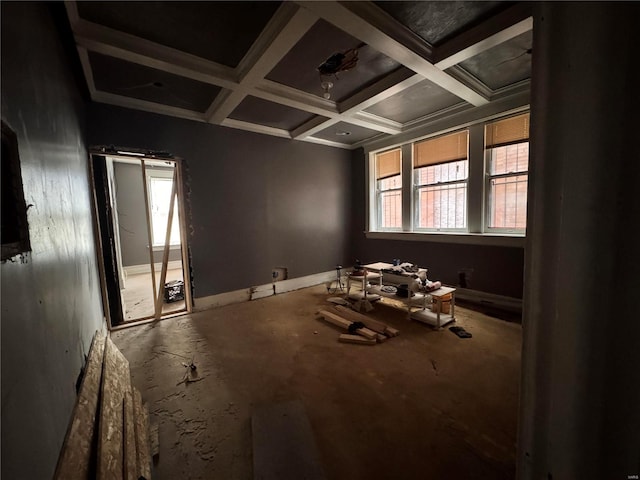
368	331
346	338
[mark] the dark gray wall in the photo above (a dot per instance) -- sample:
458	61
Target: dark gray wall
51	303
257	201
497	270
132	217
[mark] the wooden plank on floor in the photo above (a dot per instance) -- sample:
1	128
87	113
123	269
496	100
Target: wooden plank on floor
130	452
78	449
284	447
335	319
116	380
141	415
370	323
392	332
346	338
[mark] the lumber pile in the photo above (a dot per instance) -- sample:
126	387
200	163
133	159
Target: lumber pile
361	329
108	435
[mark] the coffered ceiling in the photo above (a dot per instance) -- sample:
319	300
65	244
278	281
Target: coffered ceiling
253	65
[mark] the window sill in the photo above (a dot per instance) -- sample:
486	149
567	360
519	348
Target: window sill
488	239
160	248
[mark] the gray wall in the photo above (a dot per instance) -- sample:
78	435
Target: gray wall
51	303
497	270
132	217
257	202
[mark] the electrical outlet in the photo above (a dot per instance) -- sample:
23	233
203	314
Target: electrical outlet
279	273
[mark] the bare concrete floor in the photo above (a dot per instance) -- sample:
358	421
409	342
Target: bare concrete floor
424	405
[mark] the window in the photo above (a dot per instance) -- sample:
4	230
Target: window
507	154
441	170
160	187
15	229
389	189
468	185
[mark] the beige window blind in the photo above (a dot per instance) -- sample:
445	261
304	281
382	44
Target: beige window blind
448	148
507	132
387	164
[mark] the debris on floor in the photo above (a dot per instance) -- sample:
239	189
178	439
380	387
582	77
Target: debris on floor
361	329
461	332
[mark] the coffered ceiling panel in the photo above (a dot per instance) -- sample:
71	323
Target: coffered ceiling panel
414	102
298	68
343	132
218	31
436	21
263	112
253	65
503	65
117	76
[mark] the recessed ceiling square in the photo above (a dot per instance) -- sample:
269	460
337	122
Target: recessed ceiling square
117	76
299	67
343	132
218	31
437	21
263	112
504	64
422	99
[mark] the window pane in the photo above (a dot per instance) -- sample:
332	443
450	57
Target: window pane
509	159
442	206
160	192
390	183
508	197
391	209
444	172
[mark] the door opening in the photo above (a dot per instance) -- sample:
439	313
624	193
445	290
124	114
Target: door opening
140	213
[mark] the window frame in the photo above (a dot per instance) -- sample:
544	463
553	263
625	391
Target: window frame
487	194
476	231
162	175
379	192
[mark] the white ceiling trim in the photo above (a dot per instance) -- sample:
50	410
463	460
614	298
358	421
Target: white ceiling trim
476	35
490	42
391	84
86	68
283	31
137	104
128	47
256	128
313	126
356	26
329	143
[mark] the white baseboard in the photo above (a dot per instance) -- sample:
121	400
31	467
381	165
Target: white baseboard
502	302
261	291
146	268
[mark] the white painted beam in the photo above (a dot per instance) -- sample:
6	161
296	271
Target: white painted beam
345	19
490	42
283	31
254	127
127	47
491	32
136	103
86	68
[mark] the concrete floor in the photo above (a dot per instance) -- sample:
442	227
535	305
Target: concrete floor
137	297
423	405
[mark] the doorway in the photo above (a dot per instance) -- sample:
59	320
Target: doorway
140	219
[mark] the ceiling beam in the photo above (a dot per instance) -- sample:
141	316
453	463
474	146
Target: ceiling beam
348	20
284	30
384	88
133	49
256	128
137	104
493	31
